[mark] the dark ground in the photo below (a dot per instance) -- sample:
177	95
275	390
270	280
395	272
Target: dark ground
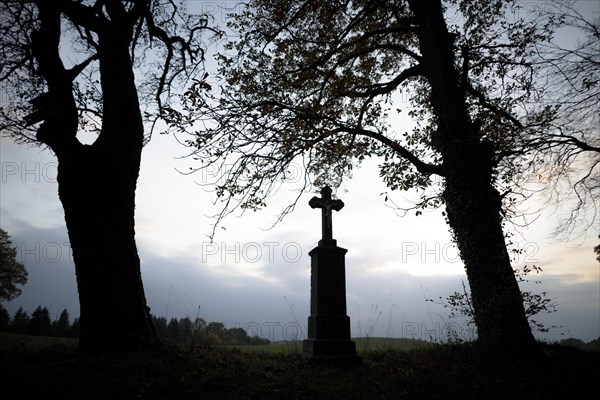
439	372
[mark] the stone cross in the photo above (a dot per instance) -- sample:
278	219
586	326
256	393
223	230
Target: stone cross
328	333
326	204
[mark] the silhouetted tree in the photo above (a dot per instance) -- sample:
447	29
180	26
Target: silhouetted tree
236	335
62	326
186	329
199	332
20	321
82	55
39	324
74	332
12	272
4	319
216	328
594	345
202	333
160	323
173	331
257	340
572	342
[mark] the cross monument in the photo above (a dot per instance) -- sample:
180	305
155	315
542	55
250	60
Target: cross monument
328	324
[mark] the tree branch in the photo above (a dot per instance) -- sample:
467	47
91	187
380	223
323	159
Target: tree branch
387	87
421	166
486	104
82	15
57	107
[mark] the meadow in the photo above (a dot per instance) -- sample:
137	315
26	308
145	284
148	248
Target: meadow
363	344
388	369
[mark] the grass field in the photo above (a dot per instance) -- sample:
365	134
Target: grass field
362	345
32	368
11	341
16	342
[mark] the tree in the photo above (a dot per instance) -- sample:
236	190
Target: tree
39	324
95	91
20	321
173	331
321	82
215	328
160	323
62	326
200	334
594	345
236	336
573	342
12	272
74	333
186	329
566	156
215	332
4	319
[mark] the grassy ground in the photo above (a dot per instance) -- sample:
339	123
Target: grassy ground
436	372
365	344
16	342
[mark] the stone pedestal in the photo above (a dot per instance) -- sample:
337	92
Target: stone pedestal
328	324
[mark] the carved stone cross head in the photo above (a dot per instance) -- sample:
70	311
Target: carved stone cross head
326	204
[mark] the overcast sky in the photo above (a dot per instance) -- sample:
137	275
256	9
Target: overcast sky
259	278
255	276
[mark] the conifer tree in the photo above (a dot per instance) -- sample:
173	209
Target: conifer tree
39	324
20	321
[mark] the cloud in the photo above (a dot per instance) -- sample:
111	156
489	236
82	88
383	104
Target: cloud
29	188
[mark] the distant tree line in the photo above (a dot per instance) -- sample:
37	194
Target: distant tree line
201	332
182	330
38	323
594	345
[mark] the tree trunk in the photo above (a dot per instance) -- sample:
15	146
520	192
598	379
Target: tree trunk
473	204
98	194
97	186
473	207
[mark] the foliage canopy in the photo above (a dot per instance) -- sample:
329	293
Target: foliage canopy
328	85
166	46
